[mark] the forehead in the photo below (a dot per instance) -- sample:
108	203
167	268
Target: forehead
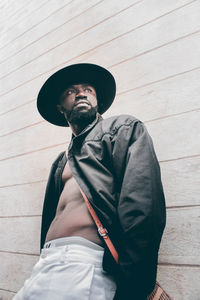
79	85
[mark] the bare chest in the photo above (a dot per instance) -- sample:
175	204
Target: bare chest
72	215
66	174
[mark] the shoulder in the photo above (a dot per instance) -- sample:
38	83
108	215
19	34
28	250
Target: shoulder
115	126
114	123
58	158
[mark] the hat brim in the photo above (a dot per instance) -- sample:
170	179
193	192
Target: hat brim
100	78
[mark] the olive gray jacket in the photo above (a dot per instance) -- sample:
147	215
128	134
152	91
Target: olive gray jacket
114	163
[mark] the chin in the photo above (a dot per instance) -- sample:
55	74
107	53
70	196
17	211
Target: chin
83	114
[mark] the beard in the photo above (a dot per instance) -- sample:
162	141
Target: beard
81	117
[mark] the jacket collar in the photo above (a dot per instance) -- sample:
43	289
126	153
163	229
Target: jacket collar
86	130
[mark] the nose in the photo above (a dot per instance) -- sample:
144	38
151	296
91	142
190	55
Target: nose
80	93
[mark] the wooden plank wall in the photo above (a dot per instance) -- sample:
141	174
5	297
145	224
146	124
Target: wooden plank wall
152	49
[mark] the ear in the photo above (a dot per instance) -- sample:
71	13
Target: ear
59	108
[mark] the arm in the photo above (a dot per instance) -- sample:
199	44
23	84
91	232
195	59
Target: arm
141	211
50	201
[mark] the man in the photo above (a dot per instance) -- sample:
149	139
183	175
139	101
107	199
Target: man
114	164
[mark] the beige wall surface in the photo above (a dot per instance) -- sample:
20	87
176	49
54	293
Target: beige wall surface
152	48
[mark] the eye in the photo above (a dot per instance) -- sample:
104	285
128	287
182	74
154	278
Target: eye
70	91
87	89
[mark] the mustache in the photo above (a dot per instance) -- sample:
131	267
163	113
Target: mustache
79	98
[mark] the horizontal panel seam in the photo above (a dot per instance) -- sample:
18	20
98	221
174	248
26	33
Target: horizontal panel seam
30	27
127	91
66	41
21	216
173	115
17	11
179	265
64	144
159	264
107	41
145	121
5	290
130	31
17	107
3	61
181	207
23	183
159	80
179	158
20	253
155	48
33	151
30	125
144	85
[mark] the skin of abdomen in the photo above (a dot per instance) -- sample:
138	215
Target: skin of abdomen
72	216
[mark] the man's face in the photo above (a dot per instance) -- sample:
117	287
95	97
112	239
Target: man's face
78	102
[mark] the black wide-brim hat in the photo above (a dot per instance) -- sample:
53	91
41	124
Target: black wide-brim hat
100	78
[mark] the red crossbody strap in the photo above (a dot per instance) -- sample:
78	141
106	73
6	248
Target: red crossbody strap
158	292
102	231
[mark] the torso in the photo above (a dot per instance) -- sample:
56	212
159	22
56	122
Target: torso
72	216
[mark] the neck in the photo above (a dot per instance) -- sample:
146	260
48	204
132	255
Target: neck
80	124
77	129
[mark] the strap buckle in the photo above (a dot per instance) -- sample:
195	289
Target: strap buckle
102	231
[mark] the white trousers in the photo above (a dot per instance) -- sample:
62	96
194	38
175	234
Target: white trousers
69	269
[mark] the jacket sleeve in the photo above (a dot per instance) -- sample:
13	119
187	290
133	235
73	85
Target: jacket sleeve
141	211
50	201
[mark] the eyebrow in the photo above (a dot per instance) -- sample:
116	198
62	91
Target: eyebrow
84	84
72	86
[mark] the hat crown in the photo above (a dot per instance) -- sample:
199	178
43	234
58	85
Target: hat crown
49	94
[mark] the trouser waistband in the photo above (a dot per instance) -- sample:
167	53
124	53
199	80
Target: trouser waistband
74	267
72	240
